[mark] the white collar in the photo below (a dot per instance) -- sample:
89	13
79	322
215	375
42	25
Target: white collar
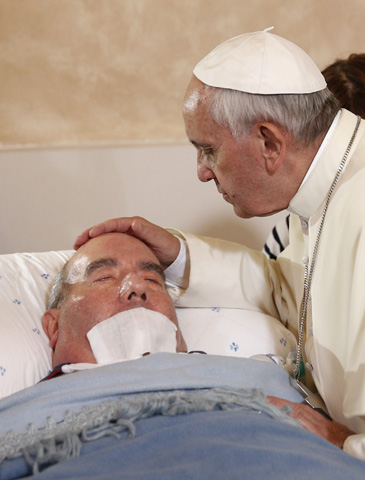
318	180
322	147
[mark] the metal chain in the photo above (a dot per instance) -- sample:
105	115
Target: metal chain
308	276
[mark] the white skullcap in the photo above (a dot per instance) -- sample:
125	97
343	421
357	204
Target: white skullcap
262	63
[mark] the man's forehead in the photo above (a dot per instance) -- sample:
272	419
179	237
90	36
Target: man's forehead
75	268
113	245
195	94
191	101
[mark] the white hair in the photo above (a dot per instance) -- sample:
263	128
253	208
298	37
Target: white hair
304	116
60	289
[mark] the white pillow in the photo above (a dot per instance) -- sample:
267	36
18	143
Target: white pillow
234	332
25	356
25	283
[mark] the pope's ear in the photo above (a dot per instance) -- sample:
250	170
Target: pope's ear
50	325
274	146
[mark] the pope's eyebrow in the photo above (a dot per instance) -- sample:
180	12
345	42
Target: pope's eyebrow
98	264
200	145
152	267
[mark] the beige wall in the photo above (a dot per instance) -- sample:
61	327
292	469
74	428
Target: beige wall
86	72
47	197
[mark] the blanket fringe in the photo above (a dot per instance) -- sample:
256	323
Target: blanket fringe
58	441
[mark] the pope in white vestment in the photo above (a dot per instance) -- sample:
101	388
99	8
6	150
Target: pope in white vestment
230	275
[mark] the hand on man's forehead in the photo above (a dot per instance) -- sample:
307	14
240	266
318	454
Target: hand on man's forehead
114	250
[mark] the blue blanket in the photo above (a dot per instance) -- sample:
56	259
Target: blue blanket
164	416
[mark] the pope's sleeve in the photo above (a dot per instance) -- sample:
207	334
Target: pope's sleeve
226	274
177	274
355	445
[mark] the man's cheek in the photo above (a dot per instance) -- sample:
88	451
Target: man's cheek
81	313
91	312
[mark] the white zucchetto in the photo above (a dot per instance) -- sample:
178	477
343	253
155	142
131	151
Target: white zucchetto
261	63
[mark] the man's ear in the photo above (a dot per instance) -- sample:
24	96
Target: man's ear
50	325
273	146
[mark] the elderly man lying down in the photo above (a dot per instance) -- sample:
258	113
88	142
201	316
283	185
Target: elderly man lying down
163	415
113	274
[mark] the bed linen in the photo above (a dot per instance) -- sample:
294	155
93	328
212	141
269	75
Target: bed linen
165	416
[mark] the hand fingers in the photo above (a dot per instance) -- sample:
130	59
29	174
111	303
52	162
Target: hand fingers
136	226
279	402
121	225
147	232
165	246
309	418
313	421
81	239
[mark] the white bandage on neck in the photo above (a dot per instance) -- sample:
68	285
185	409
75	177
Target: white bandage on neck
132	334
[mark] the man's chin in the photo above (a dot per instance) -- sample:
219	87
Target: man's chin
242	213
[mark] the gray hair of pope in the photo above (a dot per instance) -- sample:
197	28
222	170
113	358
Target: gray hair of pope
304	116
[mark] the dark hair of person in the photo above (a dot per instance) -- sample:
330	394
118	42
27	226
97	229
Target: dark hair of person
346	80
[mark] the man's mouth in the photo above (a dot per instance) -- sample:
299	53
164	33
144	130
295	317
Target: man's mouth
224	194
226	198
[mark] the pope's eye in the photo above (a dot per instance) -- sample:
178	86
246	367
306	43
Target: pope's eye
207	155
207	152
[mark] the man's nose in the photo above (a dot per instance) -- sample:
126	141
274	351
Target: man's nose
133	290
133	293
205	174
